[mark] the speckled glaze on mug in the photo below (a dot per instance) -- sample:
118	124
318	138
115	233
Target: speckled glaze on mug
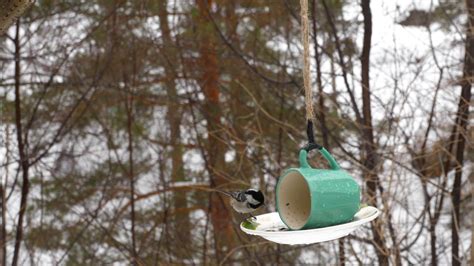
309	198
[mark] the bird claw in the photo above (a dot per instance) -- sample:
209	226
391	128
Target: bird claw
251	218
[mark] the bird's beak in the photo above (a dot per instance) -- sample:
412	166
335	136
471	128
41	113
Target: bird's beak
234	195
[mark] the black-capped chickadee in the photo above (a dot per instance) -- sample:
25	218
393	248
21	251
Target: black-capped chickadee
246	201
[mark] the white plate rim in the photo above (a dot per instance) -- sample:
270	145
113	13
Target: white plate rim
375	214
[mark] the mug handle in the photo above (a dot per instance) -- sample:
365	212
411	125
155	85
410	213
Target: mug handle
311	146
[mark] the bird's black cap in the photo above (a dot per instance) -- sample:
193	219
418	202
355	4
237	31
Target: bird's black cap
257	195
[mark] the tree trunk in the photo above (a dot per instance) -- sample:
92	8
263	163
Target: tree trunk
463	115
10	10
182	225
131	174
24	163
220	214
369	148
472	226
320	111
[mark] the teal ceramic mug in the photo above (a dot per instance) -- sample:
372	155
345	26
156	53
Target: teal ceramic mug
311	198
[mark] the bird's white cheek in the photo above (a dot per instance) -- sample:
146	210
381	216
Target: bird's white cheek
240	207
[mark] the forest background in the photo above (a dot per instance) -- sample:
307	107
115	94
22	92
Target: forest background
119	118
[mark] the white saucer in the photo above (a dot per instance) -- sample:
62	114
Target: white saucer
270	227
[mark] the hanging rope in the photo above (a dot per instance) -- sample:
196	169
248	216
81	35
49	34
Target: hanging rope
306	64
308	92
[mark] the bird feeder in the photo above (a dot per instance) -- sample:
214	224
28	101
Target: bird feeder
313	205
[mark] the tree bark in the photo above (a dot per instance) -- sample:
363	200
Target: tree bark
131	174
24	163
209	79
320	111
472	219
370	163
182	226
10	10
463	115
